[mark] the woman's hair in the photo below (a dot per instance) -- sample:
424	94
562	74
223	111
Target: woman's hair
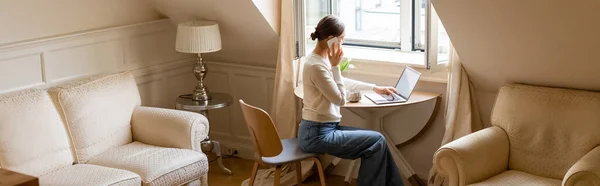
329	25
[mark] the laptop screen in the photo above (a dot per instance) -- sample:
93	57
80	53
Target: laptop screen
407	82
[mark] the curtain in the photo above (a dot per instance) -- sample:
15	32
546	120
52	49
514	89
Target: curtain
462	116
284	107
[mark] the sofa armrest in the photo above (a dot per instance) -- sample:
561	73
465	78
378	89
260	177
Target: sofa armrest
169	128
473	158
586	171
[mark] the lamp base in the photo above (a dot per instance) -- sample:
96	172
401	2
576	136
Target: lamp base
201	92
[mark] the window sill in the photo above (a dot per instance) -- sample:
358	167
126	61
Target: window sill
390	63
412	59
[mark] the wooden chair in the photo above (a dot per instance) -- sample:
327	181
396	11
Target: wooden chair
270	150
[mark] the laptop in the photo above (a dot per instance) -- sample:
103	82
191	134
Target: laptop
405	86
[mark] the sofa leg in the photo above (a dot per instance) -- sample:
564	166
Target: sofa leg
204	180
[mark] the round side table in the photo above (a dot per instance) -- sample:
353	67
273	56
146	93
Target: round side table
218	100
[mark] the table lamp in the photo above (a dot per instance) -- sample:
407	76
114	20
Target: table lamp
198	37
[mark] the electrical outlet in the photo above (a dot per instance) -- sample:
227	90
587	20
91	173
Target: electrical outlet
232	151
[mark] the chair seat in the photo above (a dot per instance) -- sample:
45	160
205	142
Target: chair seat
155	165
513	177
93	175
291	152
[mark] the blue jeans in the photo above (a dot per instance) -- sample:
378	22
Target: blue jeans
377	166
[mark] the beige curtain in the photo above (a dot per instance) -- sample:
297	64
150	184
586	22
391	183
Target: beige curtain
462	116
284	107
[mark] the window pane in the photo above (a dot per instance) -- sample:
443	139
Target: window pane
421	24
443	43
439	44
375	22
315	10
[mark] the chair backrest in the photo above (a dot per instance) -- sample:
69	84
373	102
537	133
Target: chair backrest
262	129
549	129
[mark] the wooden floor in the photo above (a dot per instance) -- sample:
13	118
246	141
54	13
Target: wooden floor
241	169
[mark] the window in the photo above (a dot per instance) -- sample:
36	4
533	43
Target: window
396	26
439	43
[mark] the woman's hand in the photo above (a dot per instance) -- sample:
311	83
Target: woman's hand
385	90
335	55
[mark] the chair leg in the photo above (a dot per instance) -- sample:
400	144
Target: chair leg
320	168
277	175
253	176
299	172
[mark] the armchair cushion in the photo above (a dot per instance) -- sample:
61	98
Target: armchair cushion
169	128
549	128
33	139
91	175
513	178
474	157
586	171
97	112
156	165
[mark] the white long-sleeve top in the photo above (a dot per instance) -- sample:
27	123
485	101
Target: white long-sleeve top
325	90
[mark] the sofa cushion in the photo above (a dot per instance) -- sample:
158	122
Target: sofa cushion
97	112
156	165
33	139
549	129
90	175
513	177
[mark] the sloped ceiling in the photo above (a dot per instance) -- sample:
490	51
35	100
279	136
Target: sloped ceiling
270	9
541	42
247	36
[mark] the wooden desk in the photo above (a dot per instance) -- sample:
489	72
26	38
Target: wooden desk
374	114
10	178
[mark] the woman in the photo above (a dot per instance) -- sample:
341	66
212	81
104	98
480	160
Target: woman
324	93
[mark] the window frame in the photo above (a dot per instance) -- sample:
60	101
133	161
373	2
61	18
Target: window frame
429	48
407	28
432	53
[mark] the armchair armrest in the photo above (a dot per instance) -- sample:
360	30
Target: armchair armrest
169	128
474	157
586	171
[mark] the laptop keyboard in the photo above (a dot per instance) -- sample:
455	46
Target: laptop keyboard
391	97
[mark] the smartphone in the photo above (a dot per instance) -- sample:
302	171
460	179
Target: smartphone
332	41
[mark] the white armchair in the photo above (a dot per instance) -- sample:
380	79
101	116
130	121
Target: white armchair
540	136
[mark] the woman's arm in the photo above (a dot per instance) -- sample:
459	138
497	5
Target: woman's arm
354	85
330	84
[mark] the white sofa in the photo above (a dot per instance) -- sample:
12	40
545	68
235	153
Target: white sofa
94	132
540	136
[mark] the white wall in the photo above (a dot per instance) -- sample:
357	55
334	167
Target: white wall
23	20
146	49
540	42
248	37
252	84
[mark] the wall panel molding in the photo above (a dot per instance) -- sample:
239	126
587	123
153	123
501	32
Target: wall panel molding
251	83
144	48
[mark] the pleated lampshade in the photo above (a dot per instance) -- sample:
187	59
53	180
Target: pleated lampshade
198	37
